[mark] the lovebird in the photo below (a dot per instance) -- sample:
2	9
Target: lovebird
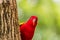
27	29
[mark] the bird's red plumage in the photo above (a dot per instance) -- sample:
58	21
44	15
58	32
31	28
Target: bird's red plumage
28	28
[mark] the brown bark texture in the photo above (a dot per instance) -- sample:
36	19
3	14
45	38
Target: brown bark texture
9	27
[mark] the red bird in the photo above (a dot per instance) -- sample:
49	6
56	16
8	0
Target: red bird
27	29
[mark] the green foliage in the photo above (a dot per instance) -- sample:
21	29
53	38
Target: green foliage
48	12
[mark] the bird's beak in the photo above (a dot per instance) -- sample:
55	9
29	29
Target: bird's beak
34	21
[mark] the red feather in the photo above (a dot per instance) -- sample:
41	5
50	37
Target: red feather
28	28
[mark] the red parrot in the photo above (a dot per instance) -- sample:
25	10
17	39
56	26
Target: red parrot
27	29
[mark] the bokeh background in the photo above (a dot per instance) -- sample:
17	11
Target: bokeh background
48	13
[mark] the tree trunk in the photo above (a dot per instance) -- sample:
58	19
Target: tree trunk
9	27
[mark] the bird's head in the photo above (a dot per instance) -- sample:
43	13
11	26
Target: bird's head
33	20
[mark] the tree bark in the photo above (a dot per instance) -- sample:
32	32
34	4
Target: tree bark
9	27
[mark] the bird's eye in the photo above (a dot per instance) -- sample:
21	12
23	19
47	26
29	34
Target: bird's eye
34	20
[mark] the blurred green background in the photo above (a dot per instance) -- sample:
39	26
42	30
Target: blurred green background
48	13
